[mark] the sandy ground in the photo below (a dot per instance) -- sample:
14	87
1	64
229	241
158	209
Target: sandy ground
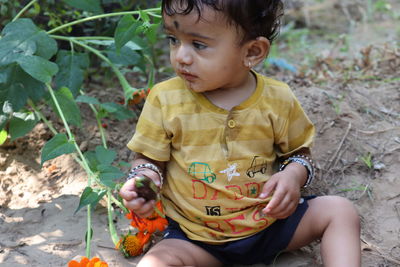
356	114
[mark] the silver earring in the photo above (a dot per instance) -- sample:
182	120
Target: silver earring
249	65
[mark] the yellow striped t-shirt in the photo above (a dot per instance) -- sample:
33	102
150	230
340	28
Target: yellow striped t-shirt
218	160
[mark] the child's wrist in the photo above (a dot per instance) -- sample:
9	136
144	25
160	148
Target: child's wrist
303	160
142	168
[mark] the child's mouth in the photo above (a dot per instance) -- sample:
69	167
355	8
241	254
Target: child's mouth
188	76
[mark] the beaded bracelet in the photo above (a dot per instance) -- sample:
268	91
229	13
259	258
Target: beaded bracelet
135	171
303	160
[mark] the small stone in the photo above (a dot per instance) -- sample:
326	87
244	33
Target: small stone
84	146
378	165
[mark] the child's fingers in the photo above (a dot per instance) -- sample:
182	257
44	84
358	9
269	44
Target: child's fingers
268	188
284	208
134	204
127	191
146	209
276	199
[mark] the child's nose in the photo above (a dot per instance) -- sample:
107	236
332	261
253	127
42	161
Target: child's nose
183	55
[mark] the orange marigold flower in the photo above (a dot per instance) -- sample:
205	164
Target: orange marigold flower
133	245
151	224
138	96
85	262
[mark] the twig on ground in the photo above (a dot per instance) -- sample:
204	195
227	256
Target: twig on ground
331	160
397	208
379	131
393	197
392	150
101	246
373	249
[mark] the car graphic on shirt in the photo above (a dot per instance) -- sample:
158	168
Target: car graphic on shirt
256	166
202	171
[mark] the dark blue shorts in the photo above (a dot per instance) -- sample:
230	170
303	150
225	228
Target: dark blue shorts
262	247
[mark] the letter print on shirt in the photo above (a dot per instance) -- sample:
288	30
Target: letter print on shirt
231	171
213	210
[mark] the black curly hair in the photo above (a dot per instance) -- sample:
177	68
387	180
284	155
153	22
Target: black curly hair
255	17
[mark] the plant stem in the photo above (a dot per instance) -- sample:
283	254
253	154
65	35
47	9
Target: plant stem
81	38
42	117
89	230
149	11
24	9
119	204
111	226
85	165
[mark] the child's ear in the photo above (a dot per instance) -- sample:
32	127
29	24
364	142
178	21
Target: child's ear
256	51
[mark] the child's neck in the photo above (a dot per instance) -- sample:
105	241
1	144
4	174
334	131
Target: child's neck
227	98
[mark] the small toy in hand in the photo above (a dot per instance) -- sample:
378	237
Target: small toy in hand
146	188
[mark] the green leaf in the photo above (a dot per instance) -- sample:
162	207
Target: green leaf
68	106
12	92
105	156
56	146
38	67
124	164
20	126
18	86
107	174
151	33
11	50
90	197
3	136
125	57
125	31
109	107
22	38
87	99
118	111
92	160
72	67
87	5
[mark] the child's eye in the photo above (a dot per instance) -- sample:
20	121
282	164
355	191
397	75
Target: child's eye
172	40
199	46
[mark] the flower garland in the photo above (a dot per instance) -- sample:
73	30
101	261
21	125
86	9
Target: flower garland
134	245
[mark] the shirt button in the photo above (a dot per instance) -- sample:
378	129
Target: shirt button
231	124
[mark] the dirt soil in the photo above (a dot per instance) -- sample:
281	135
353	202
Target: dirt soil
352	96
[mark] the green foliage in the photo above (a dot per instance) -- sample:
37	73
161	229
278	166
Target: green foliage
367	159
72	66
90	197
45	59
57	146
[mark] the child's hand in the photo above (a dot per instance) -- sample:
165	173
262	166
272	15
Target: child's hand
132	200
284	187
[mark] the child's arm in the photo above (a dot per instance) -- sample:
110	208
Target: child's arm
128	192
284	186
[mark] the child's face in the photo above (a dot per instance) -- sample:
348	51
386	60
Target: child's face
206	53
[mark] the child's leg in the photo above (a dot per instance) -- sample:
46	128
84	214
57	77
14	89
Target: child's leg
336	222
176	252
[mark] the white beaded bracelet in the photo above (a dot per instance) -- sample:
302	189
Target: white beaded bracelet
303	160
135	171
